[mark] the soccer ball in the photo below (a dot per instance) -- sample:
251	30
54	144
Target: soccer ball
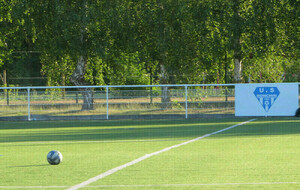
54	157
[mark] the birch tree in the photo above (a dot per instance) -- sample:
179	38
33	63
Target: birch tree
76	31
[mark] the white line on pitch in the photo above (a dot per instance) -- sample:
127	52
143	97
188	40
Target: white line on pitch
31	187
204	184
153	185
114	170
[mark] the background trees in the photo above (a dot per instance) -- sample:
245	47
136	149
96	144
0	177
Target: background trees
100	42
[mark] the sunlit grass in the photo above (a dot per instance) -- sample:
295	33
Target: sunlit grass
261	154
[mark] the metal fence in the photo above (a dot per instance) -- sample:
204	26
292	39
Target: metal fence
117	102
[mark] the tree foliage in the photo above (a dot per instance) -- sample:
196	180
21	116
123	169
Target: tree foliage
155	41
7	30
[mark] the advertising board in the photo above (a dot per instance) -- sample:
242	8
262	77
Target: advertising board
268	99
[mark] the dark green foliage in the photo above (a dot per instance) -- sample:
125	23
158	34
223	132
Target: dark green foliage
128	42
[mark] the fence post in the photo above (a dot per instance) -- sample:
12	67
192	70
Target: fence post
107	111
28	100
186	102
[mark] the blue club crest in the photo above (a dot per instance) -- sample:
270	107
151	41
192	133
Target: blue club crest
266	96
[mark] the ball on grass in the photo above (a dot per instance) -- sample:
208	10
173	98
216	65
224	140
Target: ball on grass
54	157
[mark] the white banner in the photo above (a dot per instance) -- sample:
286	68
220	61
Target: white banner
277	99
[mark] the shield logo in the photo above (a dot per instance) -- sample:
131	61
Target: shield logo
266	96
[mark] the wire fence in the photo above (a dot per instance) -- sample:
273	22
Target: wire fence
117	102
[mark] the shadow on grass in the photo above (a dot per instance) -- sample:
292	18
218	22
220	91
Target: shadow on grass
103	123
145	130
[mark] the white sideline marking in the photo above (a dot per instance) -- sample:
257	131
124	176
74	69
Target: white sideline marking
152	185
114	170
204	184
31	187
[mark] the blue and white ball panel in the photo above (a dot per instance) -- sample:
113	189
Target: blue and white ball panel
54	157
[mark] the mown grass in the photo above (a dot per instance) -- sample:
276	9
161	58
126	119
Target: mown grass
265	150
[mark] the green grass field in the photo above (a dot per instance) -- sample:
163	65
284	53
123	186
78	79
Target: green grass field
261	154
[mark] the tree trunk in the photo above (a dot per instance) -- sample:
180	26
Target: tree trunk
165	92
237	48
237	70
165	98
77	79
3	78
